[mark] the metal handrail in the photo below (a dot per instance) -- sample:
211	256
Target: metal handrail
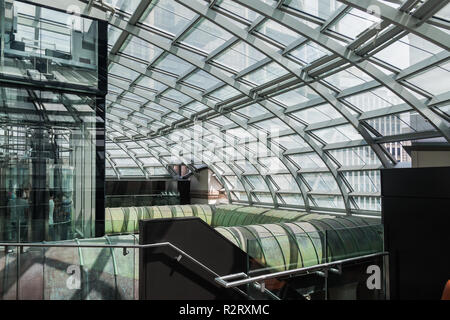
124	247
327	266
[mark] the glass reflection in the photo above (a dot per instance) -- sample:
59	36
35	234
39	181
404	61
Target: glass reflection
47	165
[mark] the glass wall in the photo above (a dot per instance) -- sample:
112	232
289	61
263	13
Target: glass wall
43	45
53	76
47	165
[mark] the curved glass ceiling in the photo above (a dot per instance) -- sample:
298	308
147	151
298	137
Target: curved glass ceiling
291	103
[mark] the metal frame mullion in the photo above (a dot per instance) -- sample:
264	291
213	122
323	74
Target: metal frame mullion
243	35
211	106
223	159
364	66
156	156
200	99
113	166
334	17
193	95
223	137
261	46
146	37
183	160
404	20
138	163
428	9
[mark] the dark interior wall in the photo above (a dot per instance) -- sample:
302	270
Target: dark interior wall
163	276
416	216
122	187
184	188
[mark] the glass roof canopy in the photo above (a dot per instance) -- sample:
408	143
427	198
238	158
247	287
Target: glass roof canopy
290	103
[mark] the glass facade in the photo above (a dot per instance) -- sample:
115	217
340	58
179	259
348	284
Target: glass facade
298	109
41	45
48	165
294	104
51	125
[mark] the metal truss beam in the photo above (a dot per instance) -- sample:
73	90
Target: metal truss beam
408	22
317	87
341	52
173	85
335	47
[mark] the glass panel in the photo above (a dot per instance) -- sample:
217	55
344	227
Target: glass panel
368	203
113	35
246	167
272	126
168	15
206	36
257	149
173	65
123	72
257	182
348	78
157	171
138	48
221	121
240	56
364	181
225	93
307	161
309	52
234	183
296	96
338	134
49	46
263	197
321	182
202	80
130	172
290	142
354	22
127	6
135	97
238	10
317	114
126	162
321	8
274	165
151	84
355	156
399	124
241	196
285	182
292	199
196	106
408	51
444	13
177	95
253	110
376	99
335	202
278	32
56	145
431	80
266	73
223	168
116	152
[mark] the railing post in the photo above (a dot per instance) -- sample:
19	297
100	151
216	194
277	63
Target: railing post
18	250
387	288
247	264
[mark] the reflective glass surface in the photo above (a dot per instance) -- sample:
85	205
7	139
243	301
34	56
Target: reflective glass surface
301	108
